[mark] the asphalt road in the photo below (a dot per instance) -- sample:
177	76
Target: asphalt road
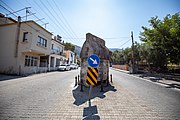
160	98
34	95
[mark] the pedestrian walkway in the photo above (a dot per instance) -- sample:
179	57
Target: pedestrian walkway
114	103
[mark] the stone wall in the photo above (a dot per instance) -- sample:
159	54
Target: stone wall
95	45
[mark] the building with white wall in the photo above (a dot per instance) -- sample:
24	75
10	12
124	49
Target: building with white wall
57	55
70	56
24	47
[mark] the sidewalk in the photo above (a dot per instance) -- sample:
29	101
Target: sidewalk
159	78
114	103
7	77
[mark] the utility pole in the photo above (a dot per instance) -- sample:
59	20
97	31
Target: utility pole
27	11
45	24
28	15
17	37
133	61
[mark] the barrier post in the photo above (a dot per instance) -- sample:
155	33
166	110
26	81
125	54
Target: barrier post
78	79
111	78
75	81
90	91
81	85
107	80
102	86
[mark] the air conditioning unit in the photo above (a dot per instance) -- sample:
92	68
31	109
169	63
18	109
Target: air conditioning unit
52	52
59	38
55	37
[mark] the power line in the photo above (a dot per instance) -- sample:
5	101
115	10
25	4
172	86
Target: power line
103	38
125	43
26	8
38	19
7	10
57	15
55	25
67	27
73	34
54	18
6	5
64	19
50	18
115	37
16	11
25	22
65	30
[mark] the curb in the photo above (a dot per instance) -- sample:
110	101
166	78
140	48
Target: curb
124	71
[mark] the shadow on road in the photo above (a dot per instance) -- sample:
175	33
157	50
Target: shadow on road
90	113
82	97
160	80
173	86
8	77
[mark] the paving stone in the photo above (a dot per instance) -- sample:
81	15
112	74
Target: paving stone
114	103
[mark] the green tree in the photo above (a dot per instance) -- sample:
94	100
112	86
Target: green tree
137	52
121	57
127	53
145	53
115	57
164	38
69	46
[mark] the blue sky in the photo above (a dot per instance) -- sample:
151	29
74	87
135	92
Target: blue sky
112	20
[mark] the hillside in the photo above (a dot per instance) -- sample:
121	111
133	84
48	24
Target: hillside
114	49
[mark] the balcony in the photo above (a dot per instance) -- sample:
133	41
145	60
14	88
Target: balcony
58	53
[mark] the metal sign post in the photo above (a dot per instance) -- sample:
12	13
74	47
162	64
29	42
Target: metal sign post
90	91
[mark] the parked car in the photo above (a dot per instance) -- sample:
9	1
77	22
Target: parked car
64	67
68	67
76	66
72	66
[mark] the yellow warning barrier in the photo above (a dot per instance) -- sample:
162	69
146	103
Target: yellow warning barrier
92	75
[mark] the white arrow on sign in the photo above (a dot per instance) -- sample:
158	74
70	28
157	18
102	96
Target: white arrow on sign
94	61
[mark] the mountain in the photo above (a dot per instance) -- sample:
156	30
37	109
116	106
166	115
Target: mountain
114	49
77	50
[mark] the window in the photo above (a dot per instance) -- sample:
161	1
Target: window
31	61
42	42
25	36
52	47
55	49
